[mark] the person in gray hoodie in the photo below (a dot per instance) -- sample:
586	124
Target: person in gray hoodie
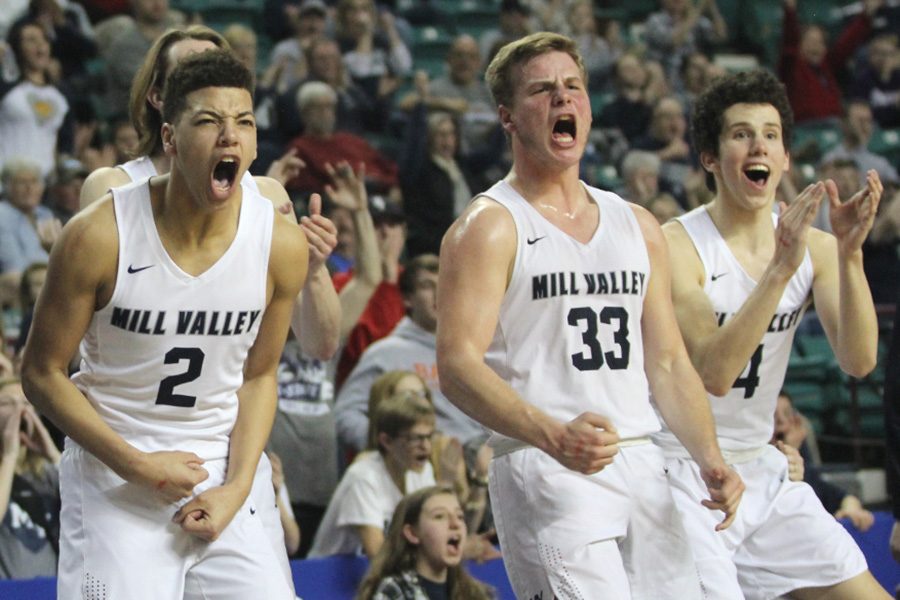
409	347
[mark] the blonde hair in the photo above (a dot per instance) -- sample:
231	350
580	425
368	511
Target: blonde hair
384	387
502	74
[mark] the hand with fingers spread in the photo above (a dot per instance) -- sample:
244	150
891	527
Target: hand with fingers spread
587	444
171	475
321	233
725	490
10	426
286	168
348	187
852	220
207	515
794	222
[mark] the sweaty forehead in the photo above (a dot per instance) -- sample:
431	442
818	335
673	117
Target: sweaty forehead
548	66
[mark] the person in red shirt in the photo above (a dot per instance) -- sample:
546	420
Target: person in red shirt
320	144
809	66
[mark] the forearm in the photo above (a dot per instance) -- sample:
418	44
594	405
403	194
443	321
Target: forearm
684	406
857	328
291	529
722	356
56	397
318	316
7	472
257	399
480	393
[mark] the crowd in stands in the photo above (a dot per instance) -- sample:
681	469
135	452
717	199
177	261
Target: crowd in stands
381	106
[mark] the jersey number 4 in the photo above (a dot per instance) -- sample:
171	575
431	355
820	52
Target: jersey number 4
593	357
750	381
166	394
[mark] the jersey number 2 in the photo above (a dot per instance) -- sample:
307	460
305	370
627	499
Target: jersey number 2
166	394
594	358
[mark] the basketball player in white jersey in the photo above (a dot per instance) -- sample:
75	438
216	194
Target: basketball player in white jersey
317	311
741	279
181	288
555	322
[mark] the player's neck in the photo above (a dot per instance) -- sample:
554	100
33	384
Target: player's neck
184	220
747	225
162	162
560	189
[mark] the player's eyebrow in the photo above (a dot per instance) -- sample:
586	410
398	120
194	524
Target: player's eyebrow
217	115
748	124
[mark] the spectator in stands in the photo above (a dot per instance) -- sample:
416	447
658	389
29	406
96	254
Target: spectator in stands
70	36
514	21
32	282
374	53
640	174
638	86
321	143
128	46
598	54
667	138
35	120
857	125
810	67
29	490
292	531
880	251
385	307
422	553
682	28
289	55
304	428
694	76
65	189
436	186
792	429
361	507
356	111
409	347
878	80
27	228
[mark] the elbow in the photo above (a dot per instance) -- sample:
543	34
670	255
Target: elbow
859	366
326	350
715	384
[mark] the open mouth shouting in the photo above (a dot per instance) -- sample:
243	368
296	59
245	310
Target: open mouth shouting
564	130
225	175
454	545
757	175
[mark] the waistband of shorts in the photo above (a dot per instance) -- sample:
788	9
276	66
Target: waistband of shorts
741	456
503	446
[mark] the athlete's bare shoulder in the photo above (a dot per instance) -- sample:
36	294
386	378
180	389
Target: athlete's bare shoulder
274	192
99	182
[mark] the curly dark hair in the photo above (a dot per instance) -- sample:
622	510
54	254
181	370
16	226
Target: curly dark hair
213	68
749	87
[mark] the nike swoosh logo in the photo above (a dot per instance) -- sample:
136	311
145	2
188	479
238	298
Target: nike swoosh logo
530	241
131	269
714	277
252	511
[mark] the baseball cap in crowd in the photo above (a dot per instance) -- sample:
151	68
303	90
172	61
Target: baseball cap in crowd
385	211
311	6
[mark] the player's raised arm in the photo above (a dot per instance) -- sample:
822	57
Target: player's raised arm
840	288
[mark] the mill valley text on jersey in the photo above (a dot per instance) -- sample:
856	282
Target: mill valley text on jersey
186	322
551	285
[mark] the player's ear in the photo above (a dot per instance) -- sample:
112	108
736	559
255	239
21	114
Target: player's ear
709	162
410	534
168	138
154	98
506	119
787	161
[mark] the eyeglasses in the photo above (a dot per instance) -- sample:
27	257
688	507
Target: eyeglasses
421	438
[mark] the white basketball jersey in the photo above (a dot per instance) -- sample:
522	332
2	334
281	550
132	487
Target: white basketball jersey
568	336
163	360
745	415
142	168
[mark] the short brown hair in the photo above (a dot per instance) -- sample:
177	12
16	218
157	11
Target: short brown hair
502	73
400	413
